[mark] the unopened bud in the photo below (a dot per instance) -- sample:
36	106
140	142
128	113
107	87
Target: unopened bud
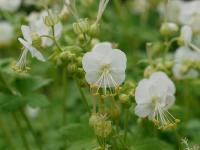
51	19
94	119
67	56
103	128
82	26
148	71
181	41
94	30
72	68
125	100
168	29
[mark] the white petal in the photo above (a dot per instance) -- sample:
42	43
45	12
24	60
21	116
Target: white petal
118	59
186	34
26	33
91	62
169	101
92	77
117	76
102	48
142	92
164	83
143	110
34	52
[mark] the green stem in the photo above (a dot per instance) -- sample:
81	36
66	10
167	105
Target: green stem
7	135
54	39
83	97
64	95
31	129
21	131
126	124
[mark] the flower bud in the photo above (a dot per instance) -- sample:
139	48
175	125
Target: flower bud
72	68
82	26
181	41
168	29
79	61
125	100
67	55
103	128
94	30
80	73
51	19
148	71
93	120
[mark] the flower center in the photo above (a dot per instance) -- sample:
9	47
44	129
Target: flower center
105	82
161	117
105	68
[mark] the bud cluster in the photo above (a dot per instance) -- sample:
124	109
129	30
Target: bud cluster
101	125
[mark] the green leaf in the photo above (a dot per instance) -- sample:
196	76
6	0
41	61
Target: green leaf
36	100
11	103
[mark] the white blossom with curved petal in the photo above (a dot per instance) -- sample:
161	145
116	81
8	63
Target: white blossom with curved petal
26	41
182	55
104	66
154	96
36	23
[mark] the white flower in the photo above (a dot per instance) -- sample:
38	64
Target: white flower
36	23
9	5
186	36
183	56
154	96
28	47
6	32
105	67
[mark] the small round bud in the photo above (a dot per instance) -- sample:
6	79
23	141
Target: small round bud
94	119
72	68
148	71
103	128
51	19
68	56
125	100
181	41
94	30
168	29
82	26
80	73
79	61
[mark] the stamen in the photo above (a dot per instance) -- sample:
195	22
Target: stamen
163	119
20	66
105	82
